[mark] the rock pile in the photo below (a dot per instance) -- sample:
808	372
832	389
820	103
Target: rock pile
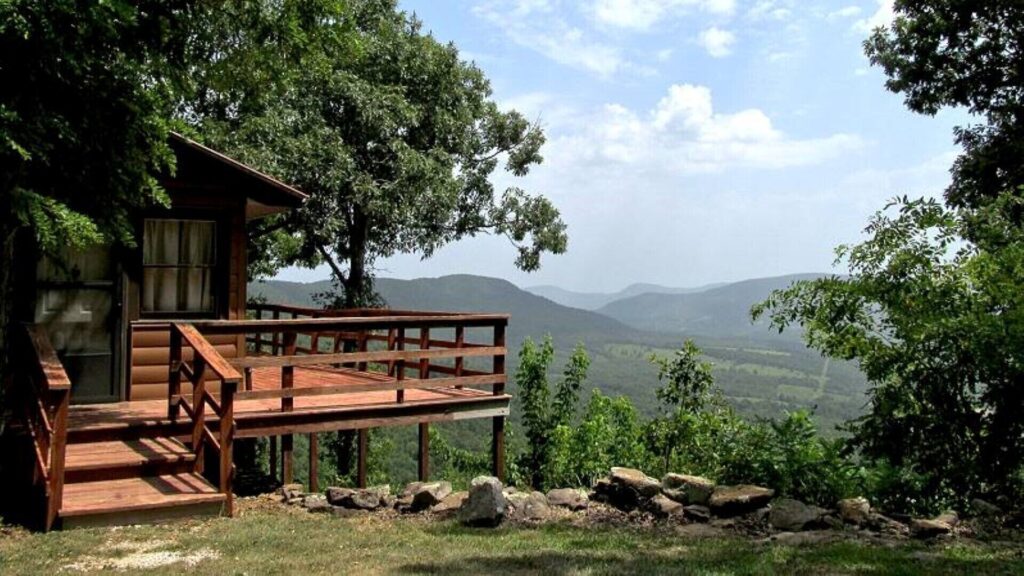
630	493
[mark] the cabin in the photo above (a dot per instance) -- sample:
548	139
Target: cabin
137	368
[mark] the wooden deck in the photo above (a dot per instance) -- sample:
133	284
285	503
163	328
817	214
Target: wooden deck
346	410
173	455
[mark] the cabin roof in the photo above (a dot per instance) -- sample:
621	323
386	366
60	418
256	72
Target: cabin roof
267	195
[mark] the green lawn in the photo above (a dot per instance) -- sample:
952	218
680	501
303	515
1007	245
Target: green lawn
272	540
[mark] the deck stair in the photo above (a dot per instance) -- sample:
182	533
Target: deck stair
149	477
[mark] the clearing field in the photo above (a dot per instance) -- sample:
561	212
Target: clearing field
270	539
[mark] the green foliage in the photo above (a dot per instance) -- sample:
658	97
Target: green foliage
962	54
936	324
609	434
551	440
394	137
84	114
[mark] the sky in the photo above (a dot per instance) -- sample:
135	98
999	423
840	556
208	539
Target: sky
689	141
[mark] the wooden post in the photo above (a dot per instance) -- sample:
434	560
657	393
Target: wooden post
227	439
424	454
273	457
199	406
174	377
400	364
287	381
275	337
460	342
424	345
498	422
57	450
314	463
362	366
361	454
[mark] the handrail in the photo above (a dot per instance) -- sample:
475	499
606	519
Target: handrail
204	358
46	404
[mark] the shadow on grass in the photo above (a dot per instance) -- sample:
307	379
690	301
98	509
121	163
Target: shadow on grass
571	550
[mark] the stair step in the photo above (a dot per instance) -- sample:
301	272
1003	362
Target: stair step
110	460
139	500
107	432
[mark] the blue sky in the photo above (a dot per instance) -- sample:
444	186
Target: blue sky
690	141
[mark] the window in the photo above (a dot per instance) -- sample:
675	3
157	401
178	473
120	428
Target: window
178	264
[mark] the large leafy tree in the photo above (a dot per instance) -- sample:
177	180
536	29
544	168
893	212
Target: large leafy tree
932	309
967	54
83	120
395	138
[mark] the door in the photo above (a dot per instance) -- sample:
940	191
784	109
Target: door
78	301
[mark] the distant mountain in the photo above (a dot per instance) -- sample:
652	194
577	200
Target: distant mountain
531	314
595	300
722	312
761	372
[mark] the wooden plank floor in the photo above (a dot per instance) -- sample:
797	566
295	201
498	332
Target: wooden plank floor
90	416
137	494
99	455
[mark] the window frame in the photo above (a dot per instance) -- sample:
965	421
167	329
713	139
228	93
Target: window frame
217	269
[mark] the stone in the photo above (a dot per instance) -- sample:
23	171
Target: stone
292	491
984	508
886	525
664	507
789	515
687	489
636	480
485	505
356	499
316	503
626	488
736	500
570	498
531	506
426	495
697	512
451	503
812	538
949	517
925	528
854	510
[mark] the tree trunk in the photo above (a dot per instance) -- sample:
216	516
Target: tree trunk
356	288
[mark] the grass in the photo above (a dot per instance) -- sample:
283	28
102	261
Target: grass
273	540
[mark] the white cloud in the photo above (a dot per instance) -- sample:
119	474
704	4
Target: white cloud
684	134
532	24
882	17
770	10
843	13
643	14
717	42
663	55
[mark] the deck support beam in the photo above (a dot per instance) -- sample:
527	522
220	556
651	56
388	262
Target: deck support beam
314	462
424	453
361	454
273	457
286	459
498	422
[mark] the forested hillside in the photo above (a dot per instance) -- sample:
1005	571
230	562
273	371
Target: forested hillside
762	373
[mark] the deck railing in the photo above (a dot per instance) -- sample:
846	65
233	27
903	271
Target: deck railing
205	358
44	397
417	349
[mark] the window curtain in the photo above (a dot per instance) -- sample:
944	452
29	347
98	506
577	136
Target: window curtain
178	265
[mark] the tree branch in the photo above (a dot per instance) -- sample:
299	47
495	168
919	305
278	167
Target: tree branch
338	273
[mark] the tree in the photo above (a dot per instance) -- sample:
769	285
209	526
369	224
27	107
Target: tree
394	137
937	325
963	53
84	120
545	423
686	392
